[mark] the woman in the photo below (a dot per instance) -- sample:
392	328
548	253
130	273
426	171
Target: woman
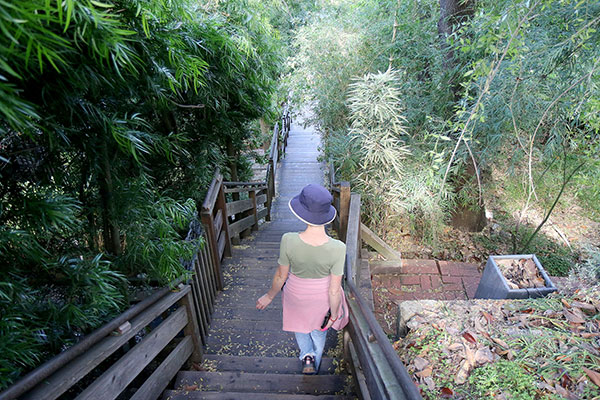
311	266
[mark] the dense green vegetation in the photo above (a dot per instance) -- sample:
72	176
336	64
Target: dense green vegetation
114	116
480	89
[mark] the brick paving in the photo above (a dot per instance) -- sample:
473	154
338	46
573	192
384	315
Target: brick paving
427	279
418	280
422	280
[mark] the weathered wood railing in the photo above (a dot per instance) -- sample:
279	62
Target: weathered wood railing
277	149
244	214
160	317
171	324
369	350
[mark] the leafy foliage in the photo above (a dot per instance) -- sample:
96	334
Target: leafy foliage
512	88
503	377
113	117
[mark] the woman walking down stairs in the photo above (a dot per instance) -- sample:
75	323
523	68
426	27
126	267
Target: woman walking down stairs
247	355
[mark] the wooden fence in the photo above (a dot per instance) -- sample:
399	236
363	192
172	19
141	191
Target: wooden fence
138	353
378	371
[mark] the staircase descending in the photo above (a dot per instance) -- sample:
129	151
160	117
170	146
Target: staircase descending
247	355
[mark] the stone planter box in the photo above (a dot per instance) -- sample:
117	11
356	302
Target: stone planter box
493	285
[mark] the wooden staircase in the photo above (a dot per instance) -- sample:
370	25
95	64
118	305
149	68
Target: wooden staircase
247	355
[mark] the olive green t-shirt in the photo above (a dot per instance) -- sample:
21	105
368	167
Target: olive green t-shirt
312	262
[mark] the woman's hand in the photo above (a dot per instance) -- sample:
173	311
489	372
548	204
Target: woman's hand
263	301
329	323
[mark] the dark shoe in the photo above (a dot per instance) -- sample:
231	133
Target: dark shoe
308	366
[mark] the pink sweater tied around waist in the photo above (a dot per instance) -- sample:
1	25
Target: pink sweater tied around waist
306	302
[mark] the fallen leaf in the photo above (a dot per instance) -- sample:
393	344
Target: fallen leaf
565	303
429	382
589	308
488	317
500	342
477	325
512	285
446	392
455	346
189	388
545	386
469	338
571	317
420	363
483	356
463	373
587	335
470	357
486	335
593	375
565	380
425	373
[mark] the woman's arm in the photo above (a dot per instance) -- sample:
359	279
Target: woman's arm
335	298
278	280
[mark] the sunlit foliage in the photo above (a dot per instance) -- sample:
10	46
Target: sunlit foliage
113	117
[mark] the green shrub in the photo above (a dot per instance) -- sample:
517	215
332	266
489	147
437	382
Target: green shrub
157	243
589	270
503	377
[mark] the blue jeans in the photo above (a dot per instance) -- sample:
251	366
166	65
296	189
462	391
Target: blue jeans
312	344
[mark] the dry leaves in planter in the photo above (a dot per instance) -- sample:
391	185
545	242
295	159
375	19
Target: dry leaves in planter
458	345
520	273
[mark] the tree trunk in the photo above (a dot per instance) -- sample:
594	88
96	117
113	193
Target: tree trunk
453	13
471	217
168	122
232	160
94	242
264	128
111	234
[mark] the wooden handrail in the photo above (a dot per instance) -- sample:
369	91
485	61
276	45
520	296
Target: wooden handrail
385	375
62	372
233	184
49	367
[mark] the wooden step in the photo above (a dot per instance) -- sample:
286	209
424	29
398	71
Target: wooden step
269	314
240	324
279	365
235	347
258	343
248	382
197	395
248	337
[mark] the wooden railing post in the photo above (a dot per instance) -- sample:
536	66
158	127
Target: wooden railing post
222	205
216	229
288	127
353	243
344	209
252	195
270	188
191	329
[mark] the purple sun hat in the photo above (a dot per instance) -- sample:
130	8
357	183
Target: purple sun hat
313	205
